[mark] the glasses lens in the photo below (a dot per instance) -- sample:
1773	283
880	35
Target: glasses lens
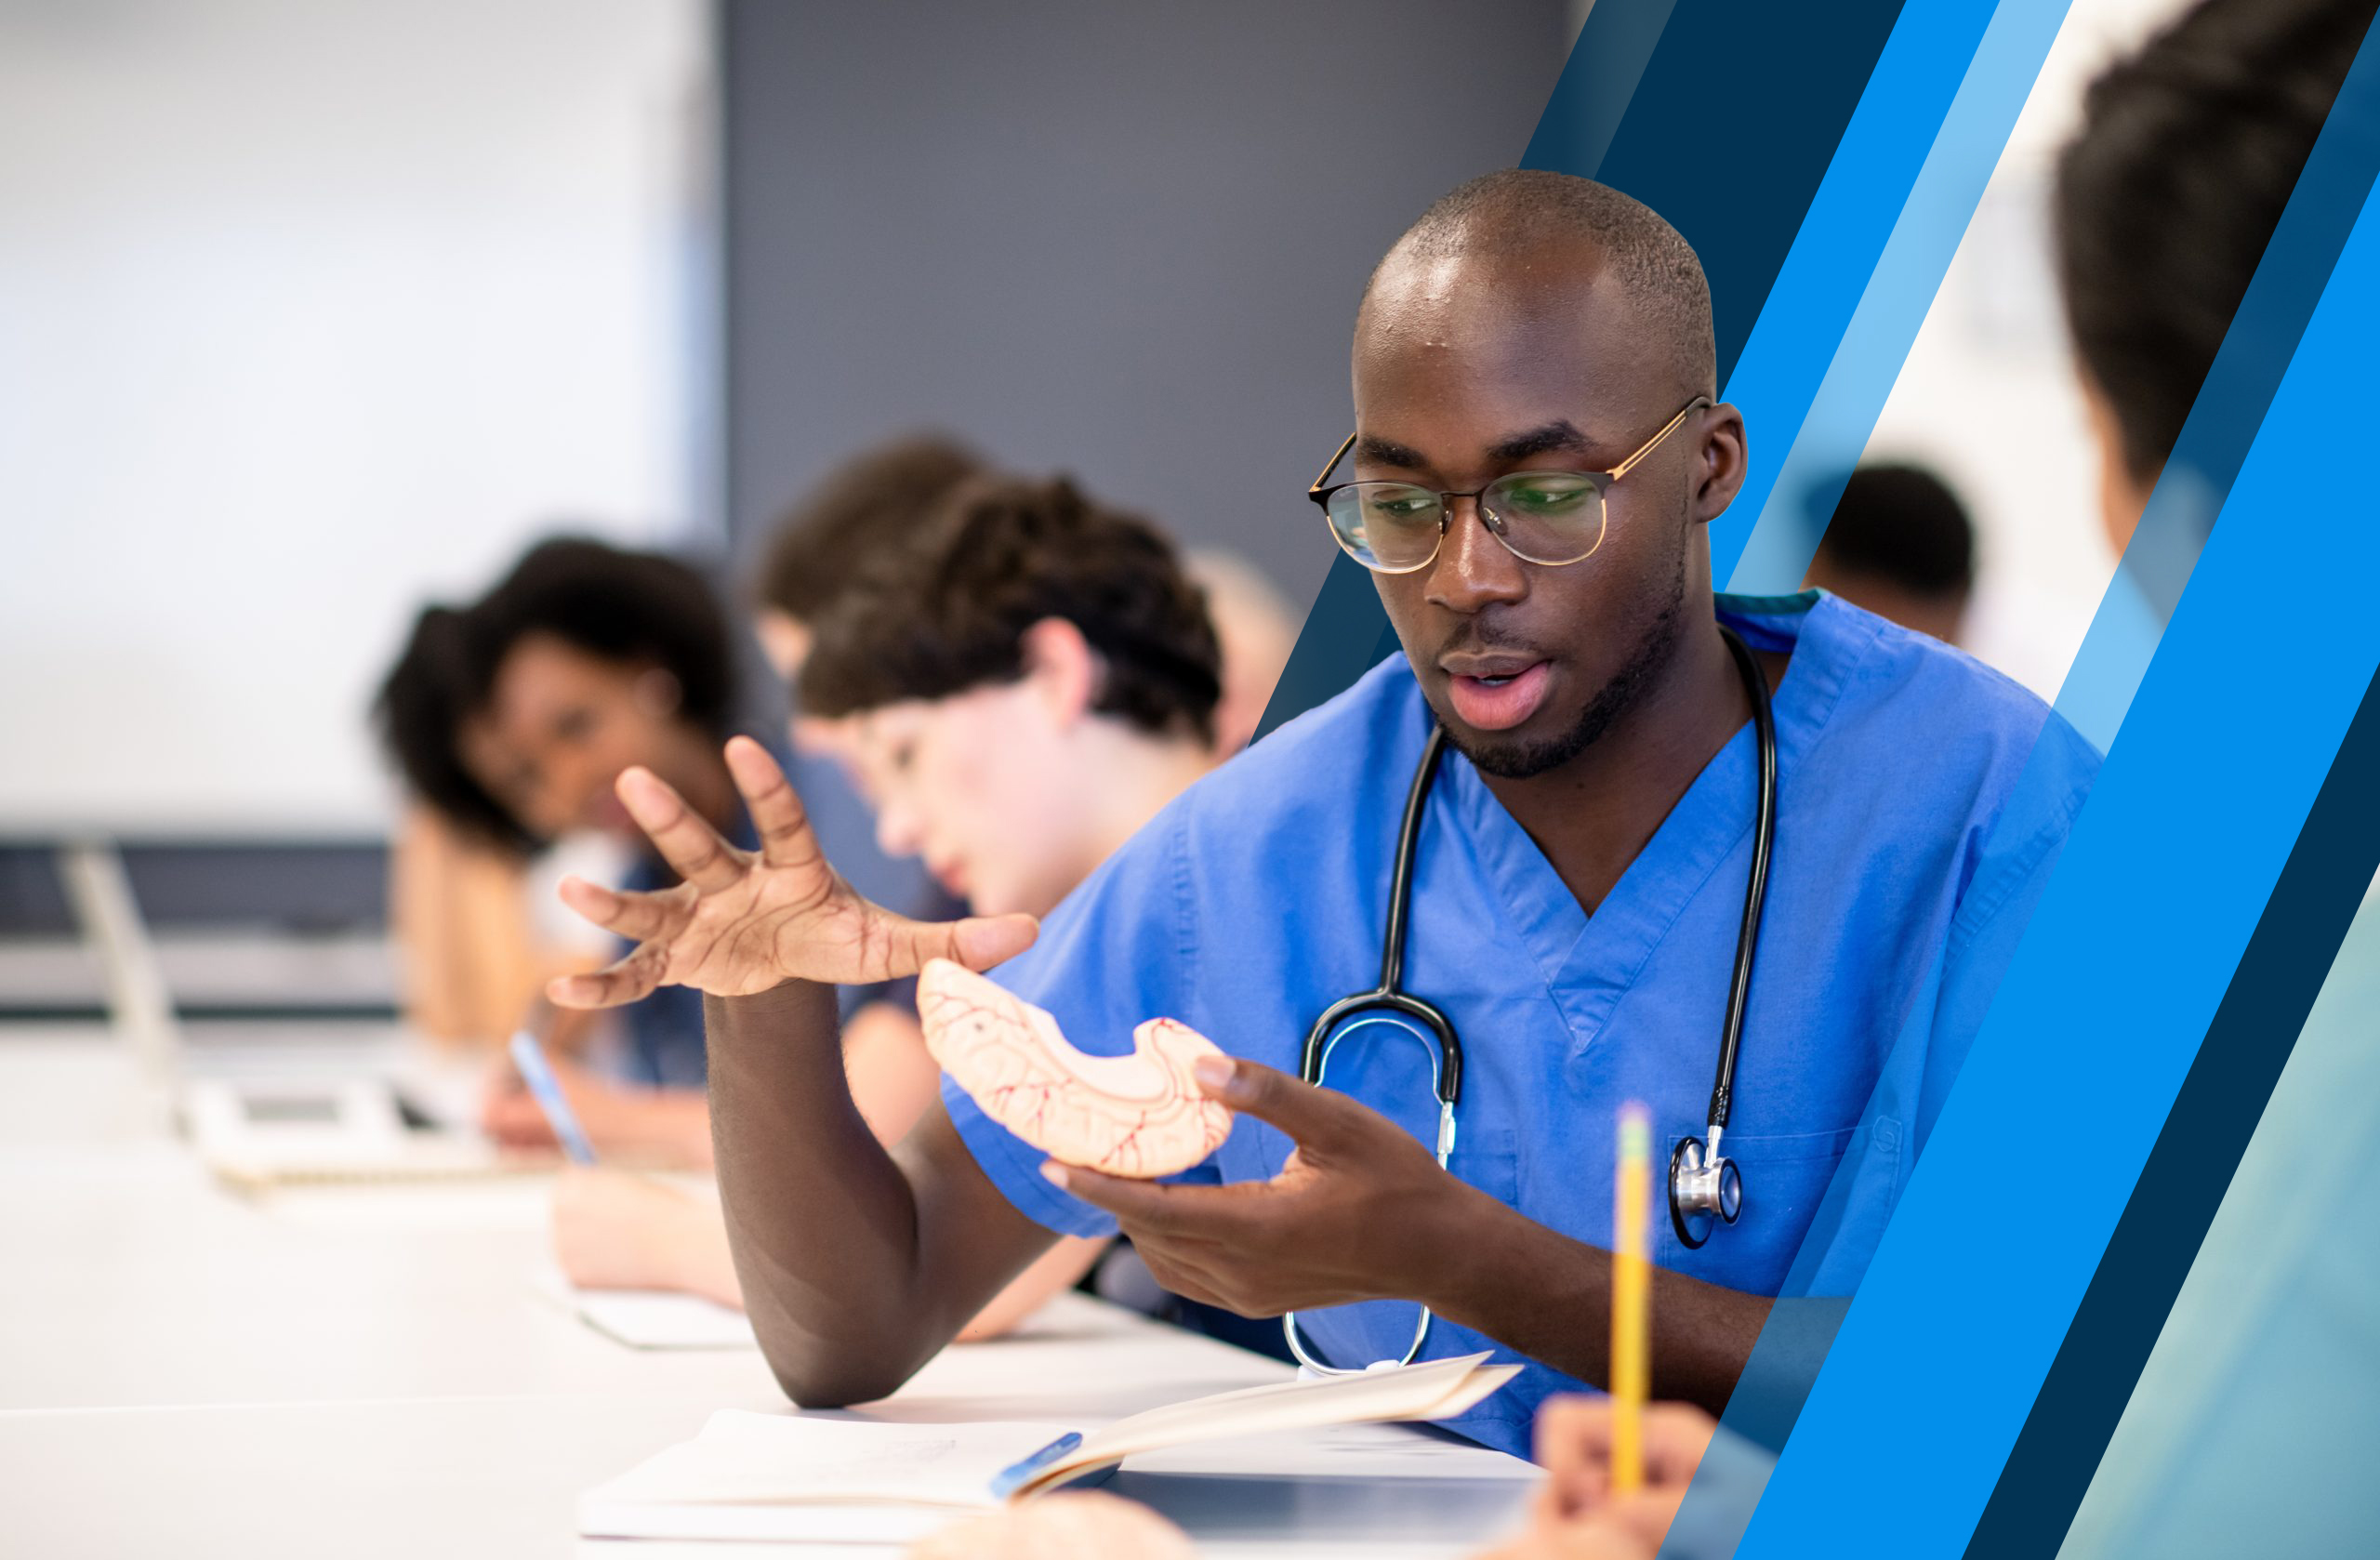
1390	526
1547	517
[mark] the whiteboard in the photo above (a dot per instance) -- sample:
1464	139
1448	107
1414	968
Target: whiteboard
309	312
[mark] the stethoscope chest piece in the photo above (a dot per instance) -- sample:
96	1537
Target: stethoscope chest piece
1704	1186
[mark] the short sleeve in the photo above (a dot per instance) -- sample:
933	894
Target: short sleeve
2023	842
1121	949
2029	835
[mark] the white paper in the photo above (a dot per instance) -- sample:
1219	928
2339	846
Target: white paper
651	1318
796	1476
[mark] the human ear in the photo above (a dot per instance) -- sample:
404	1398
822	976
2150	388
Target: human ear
784	641
1061	669
1719	462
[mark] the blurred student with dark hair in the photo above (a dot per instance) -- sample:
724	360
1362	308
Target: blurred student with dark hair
827	542
820	545
509	718
2163	204
2250	1427
1899	544
1021	686
512	717
616	1230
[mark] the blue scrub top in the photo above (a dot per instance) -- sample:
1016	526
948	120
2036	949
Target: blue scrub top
1896	893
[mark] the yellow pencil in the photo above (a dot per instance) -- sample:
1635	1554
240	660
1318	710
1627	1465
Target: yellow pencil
1631	1296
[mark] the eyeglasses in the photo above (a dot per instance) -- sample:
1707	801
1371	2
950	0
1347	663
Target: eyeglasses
1540	517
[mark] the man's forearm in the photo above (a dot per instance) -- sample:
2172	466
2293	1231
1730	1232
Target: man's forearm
1549	1296
824	1222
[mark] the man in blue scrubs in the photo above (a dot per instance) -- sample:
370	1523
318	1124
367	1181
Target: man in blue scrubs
1580	878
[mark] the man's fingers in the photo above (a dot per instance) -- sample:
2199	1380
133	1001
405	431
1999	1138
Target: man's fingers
691	846
1315	1118
636	915
775	806
1181	1278
1141	1202
902	945
630	979
1150	1206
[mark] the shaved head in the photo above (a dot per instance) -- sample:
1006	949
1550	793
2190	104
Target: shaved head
1510	223
1533	321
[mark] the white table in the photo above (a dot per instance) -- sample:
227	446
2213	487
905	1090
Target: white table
372	1372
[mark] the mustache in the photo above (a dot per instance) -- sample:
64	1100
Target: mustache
1484	637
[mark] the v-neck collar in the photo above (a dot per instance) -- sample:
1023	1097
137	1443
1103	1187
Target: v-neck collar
1588	962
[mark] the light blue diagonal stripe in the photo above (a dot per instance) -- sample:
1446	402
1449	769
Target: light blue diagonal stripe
2158	891
1852	300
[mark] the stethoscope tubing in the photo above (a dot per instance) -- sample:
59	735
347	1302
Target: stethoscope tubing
1387	996
1764	840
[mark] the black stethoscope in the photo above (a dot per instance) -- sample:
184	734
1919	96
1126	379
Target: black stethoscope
1704	1183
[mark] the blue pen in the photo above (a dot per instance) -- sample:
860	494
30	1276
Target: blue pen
1006	1482
530	1058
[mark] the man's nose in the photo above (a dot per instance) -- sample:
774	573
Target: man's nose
1473	569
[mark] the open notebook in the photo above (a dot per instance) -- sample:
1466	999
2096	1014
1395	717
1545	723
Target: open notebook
796	1476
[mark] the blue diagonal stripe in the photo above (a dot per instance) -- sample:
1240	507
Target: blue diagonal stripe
2136	939
1950	87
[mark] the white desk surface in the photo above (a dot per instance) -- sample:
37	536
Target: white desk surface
370	1372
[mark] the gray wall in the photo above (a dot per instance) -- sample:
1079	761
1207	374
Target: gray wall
1123	240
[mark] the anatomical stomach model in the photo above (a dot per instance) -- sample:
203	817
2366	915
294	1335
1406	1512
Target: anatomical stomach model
1140	1115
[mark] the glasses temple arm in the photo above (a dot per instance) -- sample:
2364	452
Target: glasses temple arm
1347	445
1649	445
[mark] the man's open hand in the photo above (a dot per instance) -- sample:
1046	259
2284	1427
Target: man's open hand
1359	1211
743	921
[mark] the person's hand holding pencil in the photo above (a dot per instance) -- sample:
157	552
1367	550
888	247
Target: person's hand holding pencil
1617	1469
1578	1515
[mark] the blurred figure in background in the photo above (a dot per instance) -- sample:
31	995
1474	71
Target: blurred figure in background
870	506
655	1112
1019	689
878	499
871	503
2164	203
508	718
1899	543
1257	629
2250	1429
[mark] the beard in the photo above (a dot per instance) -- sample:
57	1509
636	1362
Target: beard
1525	759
